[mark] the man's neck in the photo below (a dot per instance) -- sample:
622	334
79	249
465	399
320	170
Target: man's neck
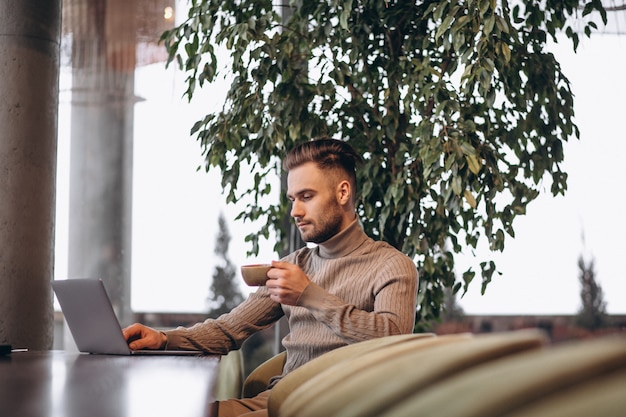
343	242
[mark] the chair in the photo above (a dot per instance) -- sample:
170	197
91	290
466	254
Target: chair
259	378
230	376
577	379
297	377
596	397
372	383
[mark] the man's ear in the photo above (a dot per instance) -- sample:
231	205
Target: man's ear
344	192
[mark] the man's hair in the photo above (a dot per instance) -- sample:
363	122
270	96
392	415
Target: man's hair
329	154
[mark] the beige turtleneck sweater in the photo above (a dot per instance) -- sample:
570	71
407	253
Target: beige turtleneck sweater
360	289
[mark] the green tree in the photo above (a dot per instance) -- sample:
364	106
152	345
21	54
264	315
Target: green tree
451	310
459	111
224	293
592	314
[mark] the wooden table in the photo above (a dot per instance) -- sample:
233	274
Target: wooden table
62	384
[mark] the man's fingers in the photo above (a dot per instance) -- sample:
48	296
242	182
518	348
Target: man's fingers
281	265
132	332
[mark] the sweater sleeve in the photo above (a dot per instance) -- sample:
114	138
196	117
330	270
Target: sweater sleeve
386	308
230	330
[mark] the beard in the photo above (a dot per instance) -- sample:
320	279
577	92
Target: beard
327	226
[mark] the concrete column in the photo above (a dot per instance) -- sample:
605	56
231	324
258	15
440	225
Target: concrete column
102	116
101	188
29	73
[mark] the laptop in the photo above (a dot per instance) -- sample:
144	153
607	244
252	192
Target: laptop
92	321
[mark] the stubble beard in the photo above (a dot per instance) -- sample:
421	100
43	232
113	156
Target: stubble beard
325	228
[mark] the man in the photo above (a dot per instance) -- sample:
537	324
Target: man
346	289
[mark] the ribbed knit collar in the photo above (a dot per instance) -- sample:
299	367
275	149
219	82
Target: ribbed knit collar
344	242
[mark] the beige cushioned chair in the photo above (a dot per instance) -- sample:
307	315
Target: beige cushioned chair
576	379
370	384
257	381
595	397
297	377
230	377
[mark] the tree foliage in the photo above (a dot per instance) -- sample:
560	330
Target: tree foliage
592	314
450	309
458	110
224	292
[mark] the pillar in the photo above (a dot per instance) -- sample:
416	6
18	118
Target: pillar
102	113
29	73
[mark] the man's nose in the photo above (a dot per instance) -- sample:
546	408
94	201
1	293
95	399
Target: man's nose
296	209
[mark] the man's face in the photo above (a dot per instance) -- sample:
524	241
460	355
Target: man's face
315	206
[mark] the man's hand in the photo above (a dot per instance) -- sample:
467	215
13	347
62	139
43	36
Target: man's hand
139	336
286	282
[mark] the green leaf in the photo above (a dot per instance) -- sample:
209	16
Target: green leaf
469	197
468	149
506	51
457	185
473	164
490	22
445	25
483	6
343	19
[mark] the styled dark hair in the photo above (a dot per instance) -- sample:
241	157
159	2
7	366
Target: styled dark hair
328	154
